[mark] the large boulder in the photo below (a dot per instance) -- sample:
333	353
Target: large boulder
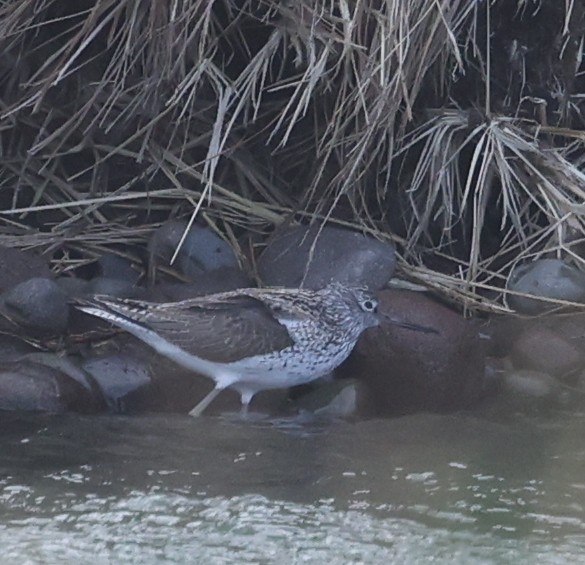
408	370
312	257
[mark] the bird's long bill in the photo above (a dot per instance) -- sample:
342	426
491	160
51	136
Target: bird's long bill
409	326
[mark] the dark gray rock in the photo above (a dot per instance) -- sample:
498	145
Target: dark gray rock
62	364
38	306
120	376
30	386
337	398
77	288
72	286
13	348
111	266
290	260
549	278
114	287
18	266
219	280
202	250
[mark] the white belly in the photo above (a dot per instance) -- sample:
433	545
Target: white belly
282	371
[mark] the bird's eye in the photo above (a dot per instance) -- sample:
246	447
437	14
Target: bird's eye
369	305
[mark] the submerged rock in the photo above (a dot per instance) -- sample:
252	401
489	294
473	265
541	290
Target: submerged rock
531	384
409	371
337	398
312	258
541	349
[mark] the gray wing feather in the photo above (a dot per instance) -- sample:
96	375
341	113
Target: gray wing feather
230	328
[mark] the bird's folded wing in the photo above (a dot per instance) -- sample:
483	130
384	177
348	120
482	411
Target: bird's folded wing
221	332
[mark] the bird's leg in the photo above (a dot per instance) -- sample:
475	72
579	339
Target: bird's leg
245	398
197	411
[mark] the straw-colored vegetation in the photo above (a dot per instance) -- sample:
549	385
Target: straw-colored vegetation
453	127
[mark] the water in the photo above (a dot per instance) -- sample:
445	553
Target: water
170	489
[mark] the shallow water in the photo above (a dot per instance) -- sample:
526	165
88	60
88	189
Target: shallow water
171	489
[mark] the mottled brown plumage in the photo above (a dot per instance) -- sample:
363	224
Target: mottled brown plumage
249	339
223	331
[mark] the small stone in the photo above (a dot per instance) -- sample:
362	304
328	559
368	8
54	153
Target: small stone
312	258
119	376
531	384
37	305
338	398
541	349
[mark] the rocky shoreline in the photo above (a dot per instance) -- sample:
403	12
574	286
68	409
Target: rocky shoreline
57	359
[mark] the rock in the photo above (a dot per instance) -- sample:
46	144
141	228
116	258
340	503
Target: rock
220	280
120	376
64	365
114	287
119	286
38	306
133	377
501	332
72	286
202	251
339	255
571	327
531	384
111	266
171	388
337	398
541	349
13	348
495	370
549	278
30	386
80	322
18	266
409	371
